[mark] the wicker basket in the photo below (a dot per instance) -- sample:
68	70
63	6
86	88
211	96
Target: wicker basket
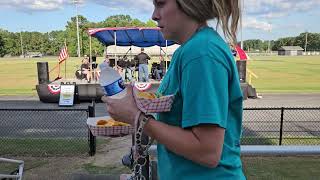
162	104
107	131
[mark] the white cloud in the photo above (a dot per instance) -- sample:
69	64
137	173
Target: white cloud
139	6
262	8
37	5
253	23
278	8
274	15
291	26
259	13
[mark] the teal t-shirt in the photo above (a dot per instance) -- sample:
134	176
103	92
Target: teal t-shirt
204	79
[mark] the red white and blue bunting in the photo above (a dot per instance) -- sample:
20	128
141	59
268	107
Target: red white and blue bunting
54	88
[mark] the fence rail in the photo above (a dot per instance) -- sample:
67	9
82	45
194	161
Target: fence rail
281	125
275	53
284	126
56	132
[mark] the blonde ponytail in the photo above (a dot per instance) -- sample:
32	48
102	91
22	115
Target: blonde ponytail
226	12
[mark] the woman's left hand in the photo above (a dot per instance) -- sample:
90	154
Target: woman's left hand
125	109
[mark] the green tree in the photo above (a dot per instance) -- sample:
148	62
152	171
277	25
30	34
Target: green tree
122	21
50	43
11	42
71	34
34	42
2	48
151	23
254	44
136	23
313	42
287	41
56	40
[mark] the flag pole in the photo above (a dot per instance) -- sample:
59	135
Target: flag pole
59	69
241	28
65	62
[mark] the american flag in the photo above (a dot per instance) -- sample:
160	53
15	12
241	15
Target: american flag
63	54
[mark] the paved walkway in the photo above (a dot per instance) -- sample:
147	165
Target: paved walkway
285	100
267	100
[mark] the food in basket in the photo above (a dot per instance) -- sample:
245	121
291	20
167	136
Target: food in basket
102	122
148	95
109	123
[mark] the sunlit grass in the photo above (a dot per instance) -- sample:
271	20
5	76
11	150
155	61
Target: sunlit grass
274	167
297	74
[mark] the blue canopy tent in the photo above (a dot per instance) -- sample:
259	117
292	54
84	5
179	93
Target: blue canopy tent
130	36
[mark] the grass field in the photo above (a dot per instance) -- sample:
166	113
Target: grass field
19	76
43	147
312	140
255	168
67	147
300	74
279	74
46	146
281	168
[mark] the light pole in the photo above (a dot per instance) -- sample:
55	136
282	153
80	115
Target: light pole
242	13
77	19
22	51
306	43
269	42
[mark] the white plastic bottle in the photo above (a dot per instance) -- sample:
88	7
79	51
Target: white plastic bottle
111	81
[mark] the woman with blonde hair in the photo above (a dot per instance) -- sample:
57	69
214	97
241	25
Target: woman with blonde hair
200	137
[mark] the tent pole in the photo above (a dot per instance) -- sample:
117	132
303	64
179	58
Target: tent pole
130	52
95	54
133	74
166	56
115	52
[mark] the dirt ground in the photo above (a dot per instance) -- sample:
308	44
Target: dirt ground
108	157
106	161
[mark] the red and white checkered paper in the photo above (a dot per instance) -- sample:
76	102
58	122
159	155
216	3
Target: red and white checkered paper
107	131
162	104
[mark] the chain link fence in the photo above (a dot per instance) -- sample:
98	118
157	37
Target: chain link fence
43	132
63	132
281	126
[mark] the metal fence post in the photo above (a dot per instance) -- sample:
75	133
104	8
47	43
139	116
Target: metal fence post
91	138
281	126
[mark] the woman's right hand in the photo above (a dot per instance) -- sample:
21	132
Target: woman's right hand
124	109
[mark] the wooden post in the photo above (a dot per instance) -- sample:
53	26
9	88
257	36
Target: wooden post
92	139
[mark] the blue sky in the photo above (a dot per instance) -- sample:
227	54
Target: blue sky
262	19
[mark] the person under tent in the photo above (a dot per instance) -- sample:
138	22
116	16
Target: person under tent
85	69
142	59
